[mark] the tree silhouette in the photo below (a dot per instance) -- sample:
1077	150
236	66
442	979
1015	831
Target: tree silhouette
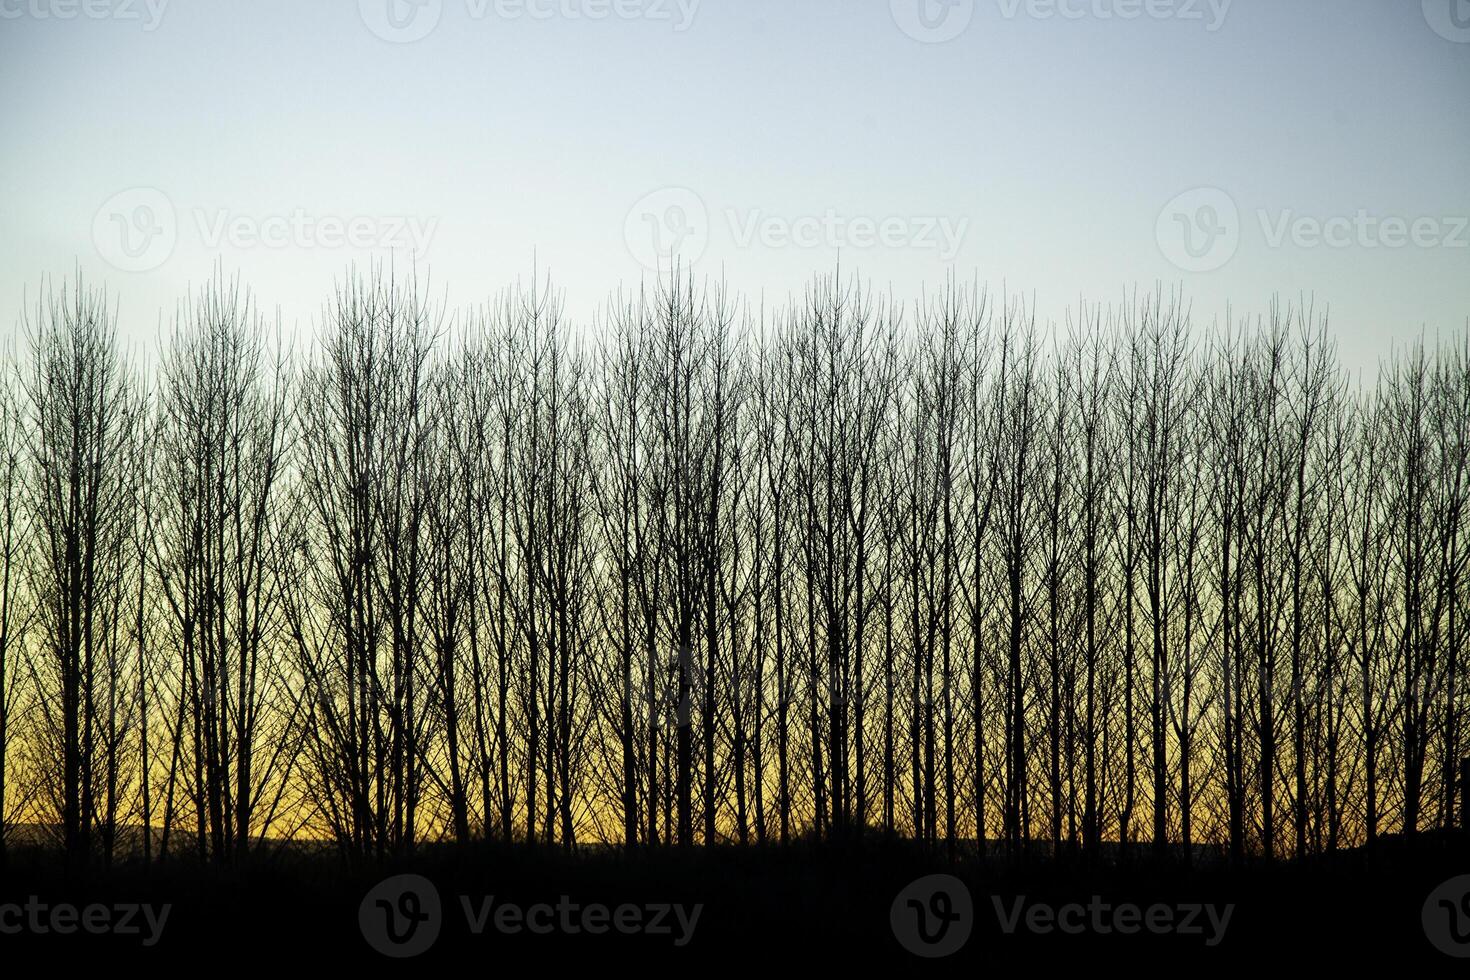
707	573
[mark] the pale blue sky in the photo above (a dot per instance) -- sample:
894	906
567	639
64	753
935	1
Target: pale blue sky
1053	143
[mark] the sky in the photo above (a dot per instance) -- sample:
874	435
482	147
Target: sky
1059	149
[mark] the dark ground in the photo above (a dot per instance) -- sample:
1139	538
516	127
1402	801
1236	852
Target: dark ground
829	907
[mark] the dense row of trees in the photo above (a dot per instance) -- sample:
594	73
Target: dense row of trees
708	573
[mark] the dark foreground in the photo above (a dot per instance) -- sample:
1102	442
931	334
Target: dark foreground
875	906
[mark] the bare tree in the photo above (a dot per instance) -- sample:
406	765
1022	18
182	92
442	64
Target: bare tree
83	443
222	439
14	614
729	575
357	553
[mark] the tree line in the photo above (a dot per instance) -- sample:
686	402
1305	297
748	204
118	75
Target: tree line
704	572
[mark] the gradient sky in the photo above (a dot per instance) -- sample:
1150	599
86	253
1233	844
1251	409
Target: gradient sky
512	134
